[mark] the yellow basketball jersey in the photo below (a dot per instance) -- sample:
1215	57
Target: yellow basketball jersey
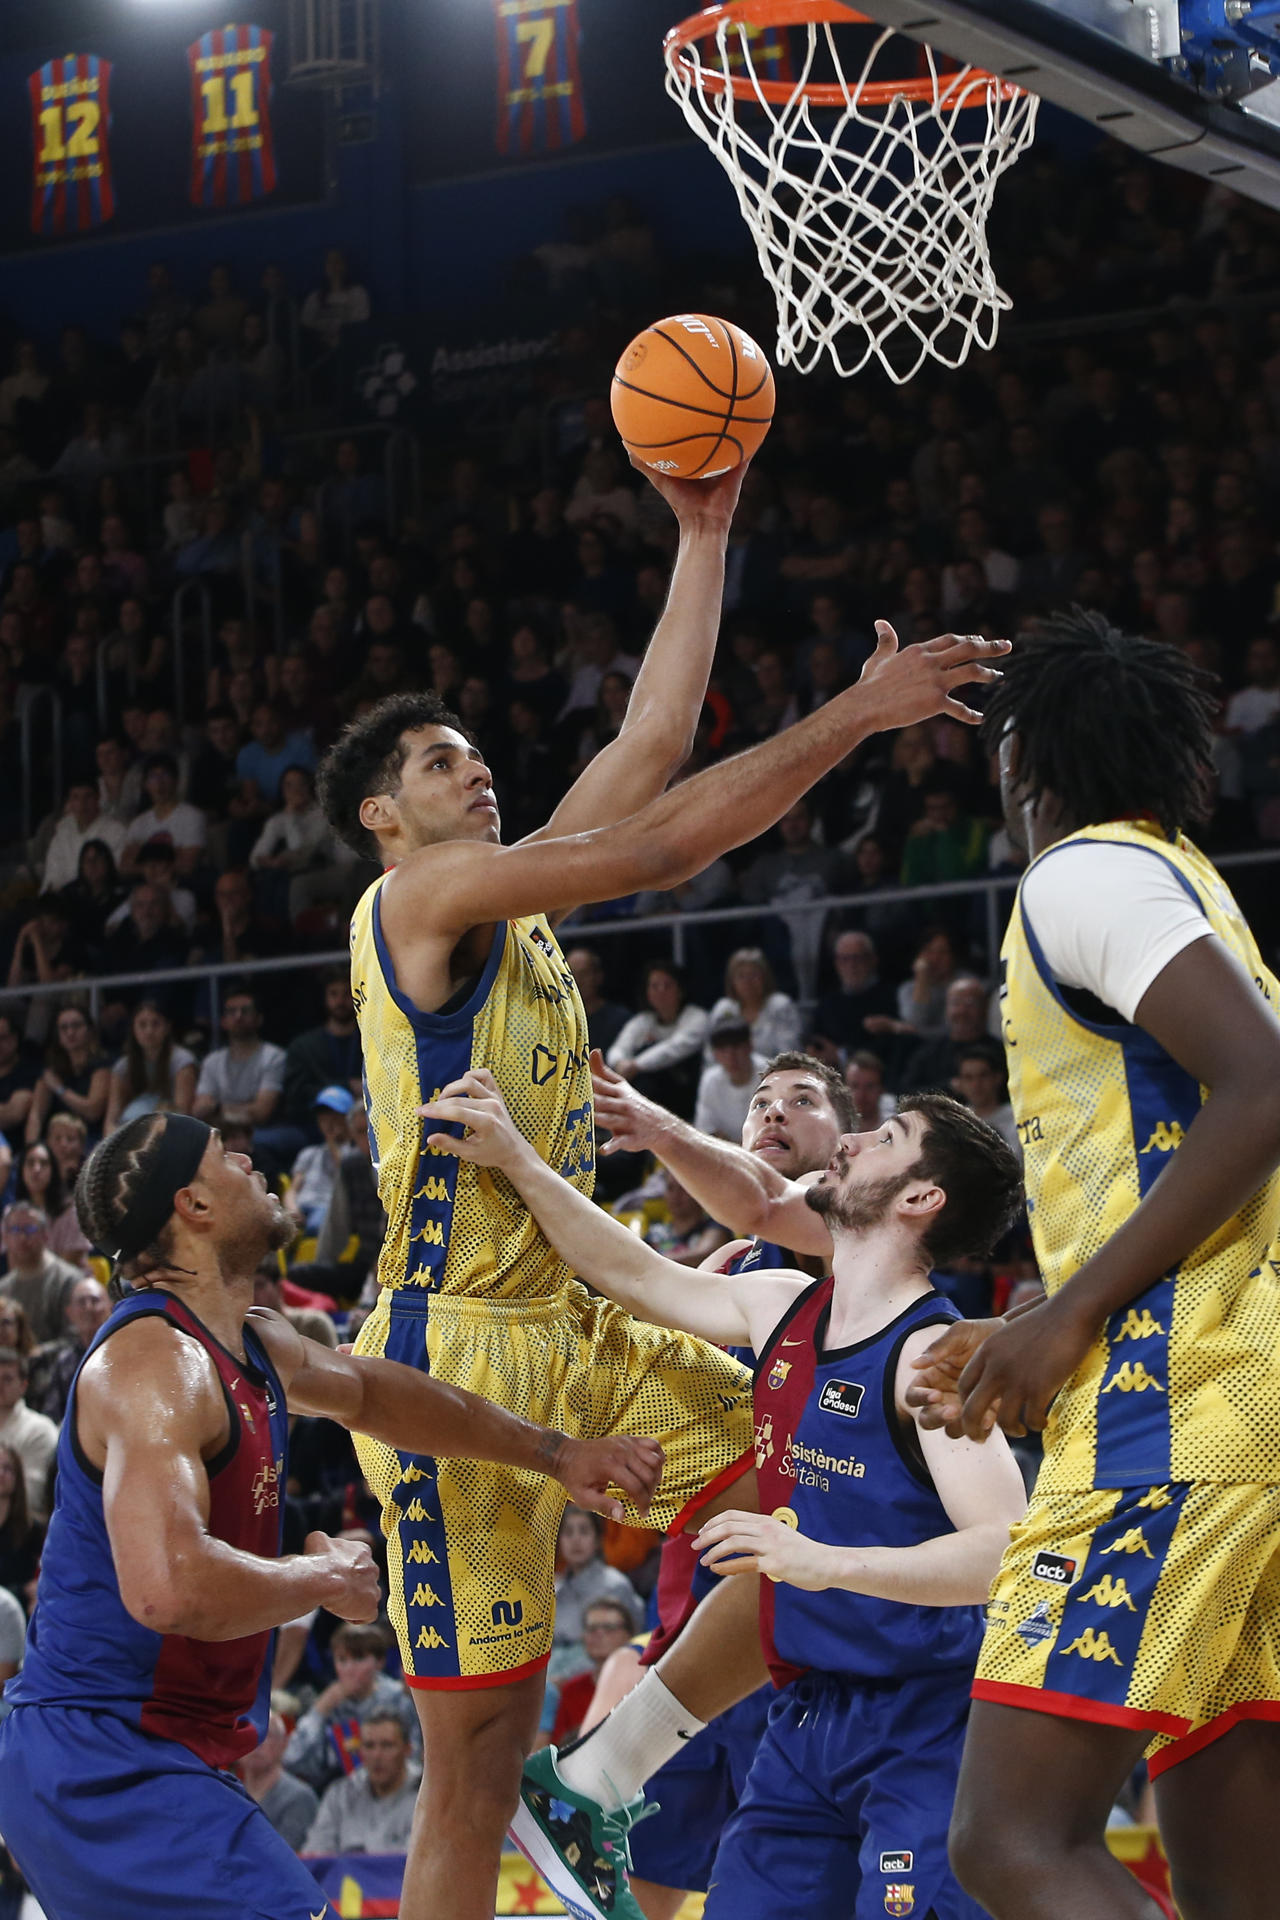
1181	1385
453	1227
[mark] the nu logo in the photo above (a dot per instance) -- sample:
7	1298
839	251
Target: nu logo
1138	1326
1131	1542
1166	1136
421	1554
1132	1378
507	1613
425	1597
430	1639
435	1187
1094	1646
1110	1593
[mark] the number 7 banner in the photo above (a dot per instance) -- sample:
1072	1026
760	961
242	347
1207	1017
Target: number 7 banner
232	158
70	117
540	104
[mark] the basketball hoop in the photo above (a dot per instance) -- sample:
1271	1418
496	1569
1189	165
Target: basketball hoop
867	196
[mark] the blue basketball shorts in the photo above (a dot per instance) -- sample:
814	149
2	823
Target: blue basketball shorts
695	1792
846	1808
103	1820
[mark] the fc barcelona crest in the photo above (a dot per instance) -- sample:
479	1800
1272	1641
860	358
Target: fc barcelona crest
778	1372
900	1897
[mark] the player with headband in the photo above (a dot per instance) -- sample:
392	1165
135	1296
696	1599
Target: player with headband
148	1664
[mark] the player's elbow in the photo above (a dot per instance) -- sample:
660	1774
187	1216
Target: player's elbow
158	1600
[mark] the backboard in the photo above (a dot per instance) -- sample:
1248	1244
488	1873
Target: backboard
1189	82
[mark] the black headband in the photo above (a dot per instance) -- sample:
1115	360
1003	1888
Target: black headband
171	1165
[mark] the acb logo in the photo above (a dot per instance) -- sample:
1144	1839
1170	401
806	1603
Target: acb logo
507	1613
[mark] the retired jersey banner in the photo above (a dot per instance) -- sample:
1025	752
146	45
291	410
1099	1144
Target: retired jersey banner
540	105
232	160
70	119
366	1886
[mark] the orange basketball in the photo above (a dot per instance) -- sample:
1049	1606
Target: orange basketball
692	396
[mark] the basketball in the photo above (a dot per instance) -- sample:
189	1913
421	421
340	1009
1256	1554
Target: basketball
692	396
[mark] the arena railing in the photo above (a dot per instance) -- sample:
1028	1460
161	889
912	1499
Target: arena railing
577	931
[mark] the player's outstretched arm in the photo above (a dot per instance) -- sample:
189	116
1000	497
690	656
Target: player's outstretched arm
150	1412
416	1413
662	714
448	888
720	1307
1207	1013
735	1187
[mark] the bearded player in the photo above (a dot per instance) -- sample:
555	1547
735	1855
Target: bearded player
1139	1605
454	964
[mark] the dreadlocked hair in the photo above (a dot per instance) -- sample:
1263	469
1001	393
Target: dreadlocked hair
1110	723
108	1184
368	757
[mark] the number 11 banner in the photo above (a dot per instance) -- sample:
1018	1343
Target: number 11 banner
71	187
540	104
232	158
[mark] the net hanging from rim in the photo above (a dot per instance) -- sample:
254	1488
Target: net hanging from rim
867	194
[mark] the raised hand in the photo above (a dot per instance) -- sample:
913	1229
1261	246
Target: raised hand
587	1469
634	1122
934	1396
711	502
917	682
475	1101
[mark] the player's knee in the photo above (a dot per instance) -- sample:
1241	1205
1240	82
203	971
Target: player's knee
984	1858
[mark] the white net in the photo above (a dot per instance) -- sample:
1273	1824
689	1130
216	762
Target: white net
869	214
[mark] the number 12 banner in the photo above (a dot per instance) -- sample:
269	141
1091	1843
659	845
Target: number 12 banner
232	158
70	117
540	104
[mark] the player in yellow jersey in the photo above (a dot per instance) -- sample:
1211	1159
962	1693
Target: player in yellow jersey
455	964
1138	1605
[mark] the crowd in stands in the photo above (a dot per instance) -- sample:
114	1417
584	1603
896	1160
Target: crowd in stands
1135	470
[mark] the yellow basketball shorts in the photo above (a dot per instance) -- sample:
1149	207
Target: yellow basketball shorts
1155	1607
471	1545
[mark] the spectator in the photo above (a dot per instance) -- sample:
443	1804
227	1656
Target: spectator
658	1050
92	898
355	1210
17	1080
152	1071
605	1018
293	840
922	999
21	1533
242	1081
40	1182
38	1279
315	1171
323	1056
841	1014
750	994
799	870
156	863
727	1084
864	1077
263	762
982	1083
215	783
52	1367
15	1331
66	1137
167	818
82	821
371	1810
933	1064
76	1080
29	1435
13	1635
585	1576
336	303
145	941
289	1803
944	844
599	652
44	954
240	935
325	1744
606	1626
302	1307
683	1230
1257	703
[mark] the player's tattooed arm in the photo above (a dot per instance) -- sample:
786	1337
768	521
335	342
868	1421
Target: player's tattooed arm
720	1307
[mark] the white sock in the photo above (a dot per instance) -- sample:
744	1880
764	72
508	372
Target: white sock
617	1757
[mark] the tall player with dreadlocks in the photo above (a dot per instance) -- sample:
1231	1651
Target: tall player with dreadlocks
148	1662
1138	1606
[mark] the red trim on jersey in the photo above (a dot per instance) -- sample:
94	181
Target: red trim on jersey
453	1682
712	1488
1070	1706
1193	1743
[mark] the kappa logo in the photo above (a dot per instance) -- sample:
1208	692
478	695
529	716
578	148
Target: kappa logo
1132	1377
425	1596
430	1639
1094	1646
1054	1567
1158	1497
901	1862
1131	1542
841	1396
1138	1326
1166	1136
1110	1592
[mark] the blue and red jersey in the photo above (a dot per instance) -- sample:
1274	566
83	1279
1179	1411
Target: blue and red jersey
84	1648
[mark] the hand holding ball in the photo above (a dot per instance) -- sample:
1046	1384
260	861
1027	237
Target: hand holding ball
692	396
